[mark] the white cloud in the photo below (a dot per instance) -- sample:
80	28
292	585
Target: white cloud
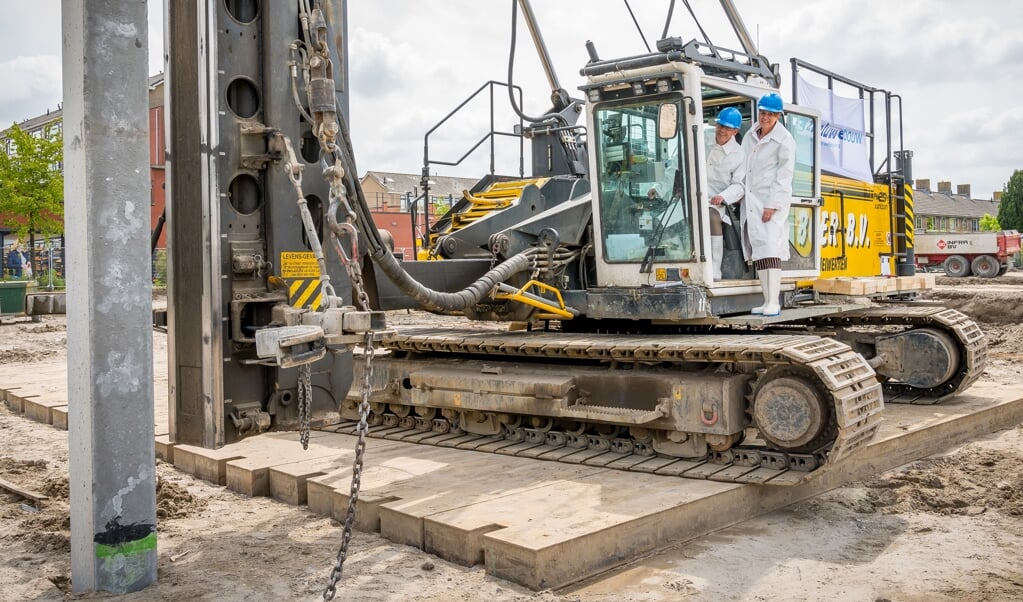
957	66
31	86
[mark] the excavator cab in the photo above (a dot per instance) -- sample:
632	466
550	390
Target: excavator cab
652	128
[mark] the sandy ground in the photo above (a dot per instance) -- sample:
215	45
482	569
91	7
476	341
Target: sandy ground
945	528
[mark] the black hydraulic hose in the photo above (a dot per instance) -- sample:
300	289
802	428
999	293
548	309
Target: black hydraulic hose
706	38
511	68
638	28
390	266
464	298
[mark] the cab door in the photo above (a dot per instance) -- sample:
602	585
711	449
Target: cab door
804	252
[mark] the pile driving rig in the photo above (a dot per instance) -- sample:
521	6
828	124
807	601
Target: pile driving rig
625	346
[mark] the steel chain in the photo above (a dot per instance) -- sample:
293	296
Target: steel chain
360	448
305	400
326	129
354	269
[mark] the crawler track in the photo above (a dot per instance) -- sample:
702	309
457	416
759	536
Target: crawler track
966	333
849	382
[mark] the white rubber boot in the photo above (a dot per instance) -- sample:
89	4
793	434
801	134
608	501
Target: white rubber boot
717	249
762	274
773	306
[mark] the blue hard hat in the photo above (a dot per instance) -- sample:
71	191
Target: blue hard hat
770	102
730	118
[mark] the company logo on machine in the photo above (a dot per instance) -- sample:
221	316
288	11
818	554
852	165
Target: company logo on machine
952	245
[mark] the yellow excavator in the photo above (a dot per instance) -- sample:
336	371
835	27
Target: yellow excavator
623	339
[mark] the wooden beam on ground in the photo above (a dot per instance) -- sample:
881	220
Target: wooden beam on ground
28	494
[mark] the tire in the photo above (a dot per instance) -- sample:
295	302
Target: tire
1003	270
956	266
985	266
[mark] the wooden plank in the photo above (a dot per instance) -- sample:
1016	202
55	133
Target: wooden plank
559	521
388	468
529	553
847	286
16	399
5	392
250	475
287	482
207	464
451	488
28	494
164	449
39	408
59	417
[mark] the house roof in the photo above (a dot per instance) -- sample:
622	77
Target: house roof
401	183
926	202
37	122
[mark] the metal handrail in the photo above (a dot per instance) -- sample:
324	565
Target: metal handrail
491	136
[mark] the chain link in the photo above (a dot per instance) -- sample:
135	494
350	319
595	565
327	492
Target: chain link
325	127
354	269
305	401
360	448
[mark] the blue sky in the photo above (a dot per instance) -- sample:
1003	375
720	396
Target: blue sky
957	66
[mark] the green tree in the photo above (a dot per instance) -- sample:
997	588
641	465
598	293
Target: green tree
32	183
989	223
1010	209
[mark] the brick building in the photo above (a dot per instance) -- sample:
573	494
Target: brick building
942	210
389	196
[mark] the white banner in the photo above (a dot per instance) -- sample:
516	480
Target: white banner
845	150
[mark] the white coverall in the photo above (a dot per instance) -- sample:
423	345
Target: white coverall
770	163
725	174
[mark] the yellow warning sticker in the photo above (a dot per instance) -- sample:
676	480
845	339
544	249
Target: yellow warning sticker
305	293
299	265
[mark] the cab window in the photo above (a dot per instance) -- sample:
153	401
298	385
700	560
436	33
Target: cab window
802	129
644	187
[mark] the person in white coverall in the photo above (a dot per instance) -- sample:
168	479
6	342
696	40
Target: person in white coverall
726	170
770	162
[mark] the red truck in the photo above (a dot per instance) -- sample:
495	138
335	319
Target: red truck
984	254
